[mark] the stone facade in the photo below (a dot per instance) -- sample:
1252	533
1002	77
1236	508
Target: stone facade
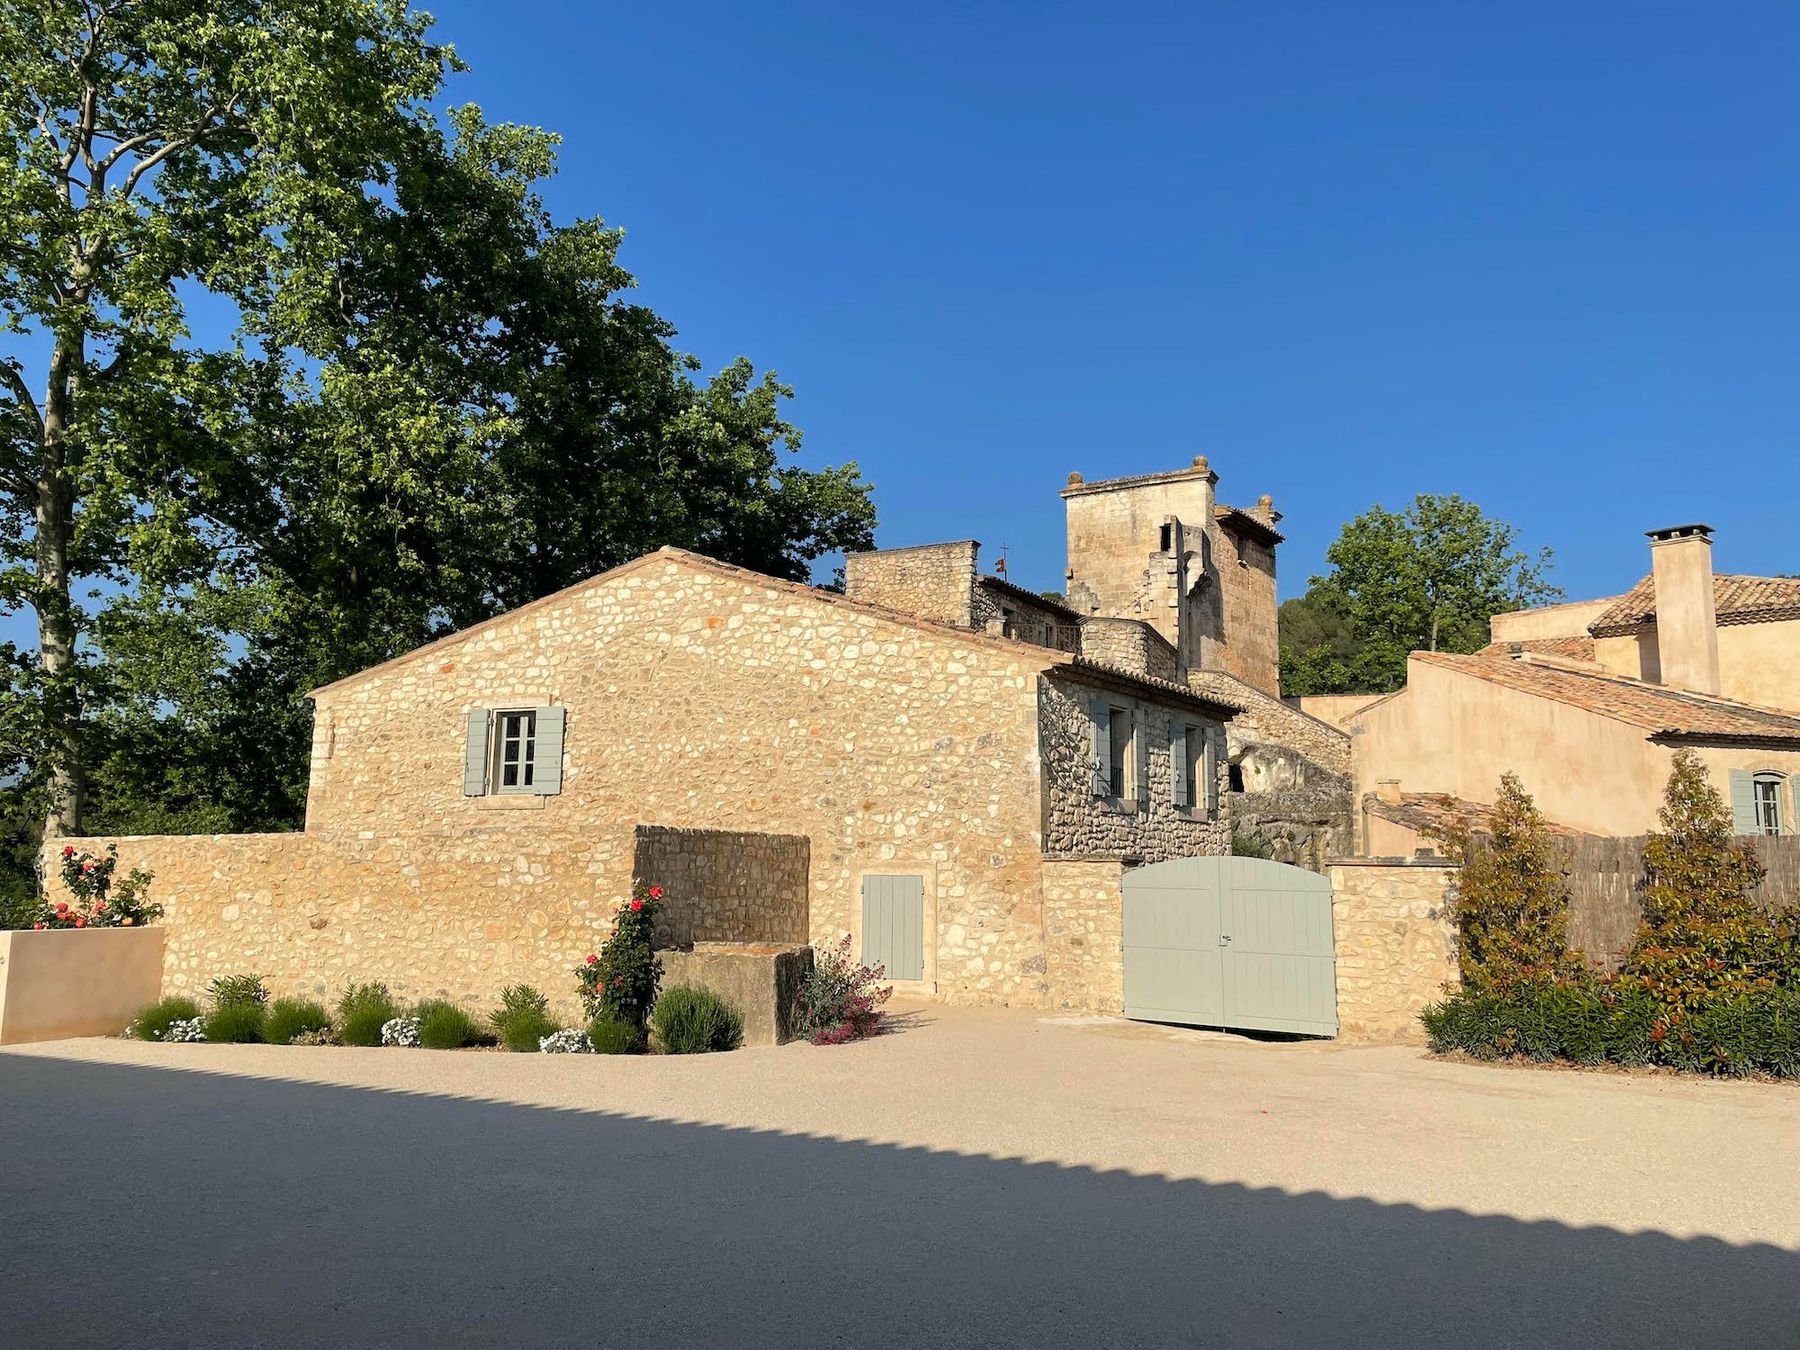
1084	935
933	581
725	885
1396	944
696	698
1146	827
1002	609
1129	644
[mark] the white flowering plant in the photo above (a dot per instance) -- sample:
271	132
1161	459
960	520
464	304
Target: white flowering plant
400	1031
185	1029
574	1041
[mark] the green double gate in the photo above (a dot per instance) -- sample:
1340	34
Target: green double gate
1230	942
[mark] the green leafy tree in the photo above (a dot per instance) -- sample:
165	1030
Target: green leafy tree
1512	896
1426	579
430	402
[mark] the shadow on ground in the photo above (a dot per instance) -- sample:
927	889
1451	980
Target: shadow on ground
159	1207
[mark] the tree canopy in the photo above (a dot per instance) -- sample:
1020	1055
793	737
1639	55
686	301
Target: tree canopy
298	372
1425	579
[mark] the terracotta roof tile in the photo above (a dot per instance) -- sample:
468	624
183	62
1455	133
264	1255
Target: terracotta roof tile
1432	813
1574	648
1659	710
1736	599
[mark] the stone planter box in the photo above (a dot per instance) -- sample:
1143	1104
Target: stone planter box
762	979
76	982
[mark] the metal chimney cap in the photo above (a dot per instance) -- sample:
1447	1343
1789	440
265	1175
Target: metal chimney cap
1679	532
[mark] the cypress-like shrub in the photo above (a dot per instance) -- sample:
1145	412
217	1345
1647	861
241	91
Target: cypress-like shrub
235	1023
444	1026
610	1036
692	1021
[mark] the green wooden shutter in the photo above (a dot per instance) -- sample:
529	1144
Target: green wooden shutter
1140	754
1211	770
1100	713
546	773
1743	801
1793	821
475	753
1178	765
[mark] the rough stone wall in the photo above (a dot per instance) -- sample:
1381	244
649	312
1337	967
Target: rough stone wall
933	581
1129	644
1250	649
1396	944
1151	829
1267	719
725	885
432	918
1084	935
1005	613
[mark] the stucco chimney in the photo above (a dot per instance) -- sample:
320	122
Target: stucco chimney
1687	631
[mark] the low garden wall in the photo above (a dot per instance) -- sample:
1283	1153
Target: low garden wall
1396	944
725	885
760	979
91	982
454	916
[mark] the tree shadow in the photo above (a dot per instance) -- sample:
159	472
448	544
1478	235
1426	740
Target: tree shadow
154	1206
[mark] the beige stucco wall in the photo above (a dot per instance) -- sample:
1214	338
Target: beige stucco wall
1454	733
1549	621
1336	709
1760	663
87	982
1396	945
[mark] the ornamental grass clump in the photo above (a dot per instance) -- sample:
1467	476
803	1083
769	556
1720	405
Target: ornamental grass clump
153	1023
608	1036
444	1026
291	1018
840	998
362	1012
621	979
235	1023
689	1020
522	1019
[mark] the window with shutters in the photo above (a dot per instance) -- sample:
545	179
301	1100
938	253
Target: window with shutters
1765	795
1209	775
1123	738
515	751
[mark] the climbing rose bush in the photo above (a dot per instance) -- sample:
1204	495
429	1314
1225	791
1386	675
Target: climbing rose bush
621	979
99	903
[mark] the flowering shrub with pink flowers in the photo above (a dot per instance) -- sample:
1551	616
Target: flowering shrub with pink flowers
99	902
840	999
619	982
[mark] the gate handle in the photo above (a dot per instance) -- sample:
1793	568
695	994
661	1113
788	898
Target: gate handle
1224	938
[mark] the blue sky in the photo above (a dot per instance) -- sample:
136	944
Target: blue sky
1544	255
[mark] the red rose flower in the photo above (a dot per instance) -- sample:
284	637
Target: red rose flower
656	892
68	850
37	925
99	905
61	905
80	922
87	867
593	960
637	904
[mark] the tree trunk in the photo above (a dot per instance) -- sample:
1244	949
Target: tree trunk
55	522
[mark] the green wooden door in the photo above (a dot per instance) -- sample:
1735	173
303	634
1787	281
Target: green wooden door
1230	942
893	925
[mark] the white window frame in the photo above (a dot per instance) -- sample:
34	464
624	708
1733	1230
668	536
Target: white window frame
1769	815
527	754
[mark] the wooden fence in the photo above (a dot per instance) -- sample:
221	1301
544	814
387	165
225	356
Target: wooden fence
1605	876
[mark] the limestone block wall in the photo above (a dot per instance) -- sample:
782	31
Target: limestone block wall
1084	935
933	581
1265	718
1001	611
1128	644
1078	823
1396	944
1247	646
725	885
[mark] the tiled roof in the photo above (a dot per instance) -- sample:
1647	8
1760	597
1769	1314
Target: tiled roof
1736	600
1433	813
1250	523
1030	597
1658	709
1574	648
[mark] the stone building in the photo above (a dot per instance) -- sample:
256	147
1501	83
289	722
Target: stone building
1588	702
955	781
1165	581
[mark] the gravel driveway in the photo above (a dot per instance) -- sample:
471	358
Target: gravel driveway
977	1178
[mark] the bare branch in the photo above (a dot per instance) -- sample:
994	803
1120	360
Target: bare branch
9	375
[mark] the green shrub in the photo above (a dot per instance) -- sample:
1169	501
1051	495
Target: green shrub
152	1022
621	979
291	1017
230	989
444	1026
363	1011
236	1023
609	1036
522	1019
693	1021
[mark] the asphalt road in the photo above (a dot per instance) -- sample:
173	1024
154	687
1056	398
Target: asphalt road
975	1179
